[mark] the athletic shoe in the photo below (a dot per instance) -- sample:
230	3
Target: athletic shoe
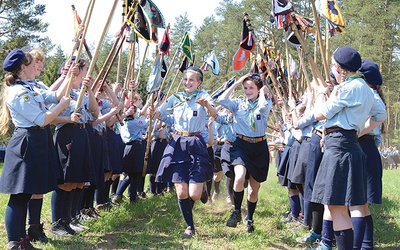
189	233
235	218
309	238
36	233
76	226
61	228
204	196
249	225
13	245
318	245
215	196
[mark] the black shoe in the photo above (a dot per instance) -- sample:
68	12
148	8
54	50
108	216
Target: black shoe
13	245
204	196
36	233
26	244
249	224
235	218
77	226
61	228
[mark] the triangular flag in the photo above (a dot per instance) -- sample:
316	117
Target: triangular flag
153	13
166	42
184	64
164	68
186	46
155	78
248	40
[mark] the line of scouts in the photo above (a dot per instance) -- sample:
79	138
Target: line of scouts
90	150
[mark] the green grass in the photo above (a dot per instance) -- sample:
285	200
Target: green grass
156	223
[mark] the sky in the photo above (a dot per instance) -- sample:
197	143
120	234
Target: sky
59	15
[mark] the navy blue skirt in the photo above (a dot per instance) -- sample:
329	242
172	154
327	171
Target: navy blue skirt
133	159
115	151
374	169
253	156
75	154
226	159
30	163
314	160
100	160
156	153
342	176
294	153
284	165
299	172
185	160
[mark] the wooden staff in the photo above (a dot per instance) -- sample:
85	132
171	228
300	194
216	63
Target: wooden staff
303	68
149	136
141	66
130	64
96	53
86	25
319	36
327	42
288	67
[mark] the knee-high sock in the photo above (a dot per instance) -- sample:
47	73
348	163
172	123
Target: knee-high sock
107	190
77	202
88	197
307	212
69	199
294	201
327	232
153	184
34	211
57	204
208	187
368	241
251	207
344	239
317	217
15	216
359	230
238	199
186	210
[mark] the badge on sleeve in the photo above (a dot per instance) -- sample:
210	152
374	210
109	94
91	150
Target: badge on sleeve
26	98
194	112
258	117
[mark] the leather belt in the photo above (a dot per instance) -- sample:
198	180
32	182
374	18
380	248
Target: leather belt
98	132
134	142
228	142
317	132
186	133
252	139
220	142
77	125
332	129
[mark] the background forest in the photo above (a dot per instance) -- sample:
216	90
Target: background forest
372	27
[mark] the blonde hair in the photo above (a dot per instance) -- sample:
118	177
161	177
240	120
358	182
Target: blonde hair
11	78
37	54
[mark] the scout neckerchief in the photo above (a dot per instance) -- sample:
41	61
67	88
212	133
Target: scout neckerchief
355	76
182	96
251	106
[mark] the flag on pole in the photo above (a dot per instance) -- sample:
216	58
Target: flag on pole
155	78
166	42
186	46
246	46
212	61
184	65
141	24
153	13
330	10
281	7
229	83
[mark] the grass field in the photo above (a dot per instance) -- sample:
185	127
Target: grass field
156	223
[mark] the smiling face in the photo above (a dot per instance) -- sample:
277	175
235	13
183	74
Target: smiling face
190	81
250	90
38	66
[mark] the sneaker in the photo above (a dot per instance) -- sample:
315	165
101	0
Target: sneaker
189	233
309	238
290	218
36	233
104	207
204	196
228	200
318	245
93	213
13	245
76	226
249	225
215	196
235	218
117	199
61	228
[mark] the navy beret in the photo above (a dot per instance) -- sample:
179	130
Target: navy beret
13	60
197	70
348	58
371	72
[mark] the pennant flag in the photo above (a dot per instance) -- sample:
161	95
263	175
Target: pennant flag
77	22
254	68
281	7
140	24
186	46
166	42
212	61
153	13
330	10
155	78
164	68
292	38
246	46
184	65
229	83
293	68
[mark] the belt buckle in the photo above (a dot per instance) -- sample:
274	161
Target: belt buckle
185	133
252	140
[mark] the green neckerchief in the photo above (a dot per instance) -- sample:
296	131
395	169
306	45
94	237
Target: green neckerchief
355	76
182	96
251	106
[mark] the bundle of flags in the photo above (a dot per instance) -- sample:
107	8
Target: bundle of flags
281	13
247	45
